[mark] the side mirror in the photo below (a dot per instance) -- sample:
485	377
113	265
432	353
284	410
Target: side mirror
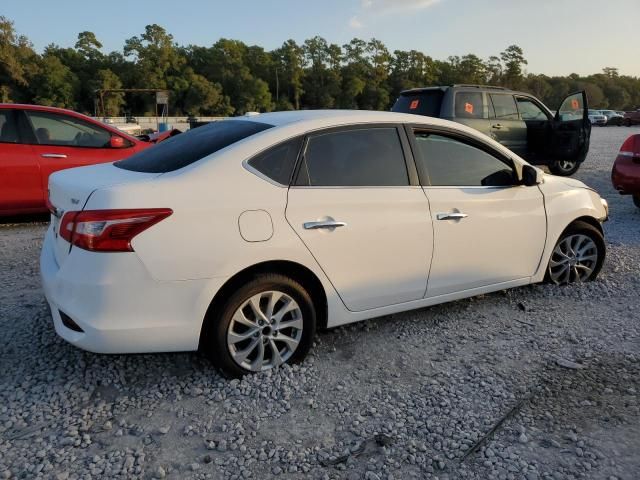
116	142
530	176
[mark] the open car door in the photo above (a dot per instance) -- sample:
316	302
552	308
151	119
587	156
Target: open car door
570	134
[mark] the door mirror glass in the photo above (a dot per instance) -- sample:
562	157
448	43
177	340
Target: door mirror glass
529	176
116	142
572	108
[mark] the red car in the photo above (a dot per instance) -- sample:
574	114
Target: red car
36	141
625	175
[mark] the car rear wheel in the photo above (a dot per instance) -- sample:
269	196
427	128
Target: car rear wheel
564	168
578	256
269	321
636	200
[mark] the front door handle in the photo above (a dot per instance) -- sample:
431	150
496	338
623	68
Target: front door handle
497	126
54	155
451	216
328	224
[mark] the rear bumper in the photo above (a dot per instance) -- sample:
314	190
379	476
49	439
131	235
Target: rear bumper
625	176
119	306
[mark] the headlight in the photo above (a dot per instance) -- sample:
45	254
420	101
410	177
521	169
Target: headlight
605	205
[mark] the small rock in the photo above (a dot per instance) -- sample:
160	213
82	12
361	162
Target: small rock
160	473
164	429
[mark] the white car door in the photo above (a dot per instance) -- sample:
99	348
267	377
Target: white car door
488	229
367	225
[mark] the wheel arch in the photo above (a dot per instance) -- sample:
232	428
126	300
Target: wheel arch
594	222
294	270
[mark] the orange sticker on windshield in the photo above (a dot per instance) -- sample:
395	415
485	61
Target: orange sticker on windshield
414	104
575	104
468	107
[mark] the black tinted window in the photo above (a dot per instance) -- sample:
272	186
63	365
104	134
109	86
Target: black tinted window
184	149
8	129
445	161
278	162
504	106
529	110
470	105
426	103
363	157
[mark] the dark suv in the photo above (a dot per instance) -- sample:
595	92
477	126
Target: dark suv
517	120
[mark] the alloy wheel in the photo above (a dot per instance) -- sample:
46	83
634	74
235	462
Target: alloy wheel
573	259
265	331
566	165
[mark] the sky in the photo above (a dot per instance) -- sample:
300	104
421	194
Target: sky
558	37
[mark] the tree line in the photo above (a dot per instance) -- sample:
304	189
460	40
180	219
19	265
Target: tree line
232	78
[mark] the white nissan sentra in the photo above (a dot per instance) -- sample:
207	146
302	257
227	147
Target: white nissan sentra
241	237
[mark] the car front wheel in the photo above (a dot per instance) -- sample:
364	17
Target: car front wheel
269	321
578	256
564	168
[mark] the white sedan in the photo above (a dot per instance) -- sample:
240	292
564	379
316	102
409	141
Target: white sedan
241	237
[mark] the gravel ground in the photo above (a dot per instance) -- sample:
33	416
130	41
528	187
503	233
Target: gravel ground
552	374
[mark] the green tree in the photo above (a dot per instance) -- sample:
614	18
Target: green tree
513	60
113	102
288	62
18	63
54	85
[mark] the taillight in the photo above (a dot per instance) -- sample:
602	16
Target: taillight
108	230
631	148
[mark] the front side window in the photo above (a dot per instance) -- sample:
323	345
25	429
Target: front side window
504	106
8	128
277	163
448	162
470	105
529	110
64	130
367	157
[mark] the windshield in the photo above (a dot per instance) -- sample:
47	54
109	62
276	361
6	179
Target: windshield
187	148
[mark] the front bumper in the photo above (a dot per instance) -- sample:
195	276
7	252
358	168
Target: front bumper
119	306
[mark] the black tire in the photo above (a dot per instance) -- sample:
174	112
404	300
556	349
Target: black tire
636	200
586	229
214	334
560	168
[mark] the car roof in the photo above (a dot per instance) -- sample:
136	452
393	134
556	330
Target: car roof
324	118
462	86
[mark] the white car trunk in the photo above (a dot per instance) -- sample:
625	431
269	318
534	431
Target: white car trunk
70	189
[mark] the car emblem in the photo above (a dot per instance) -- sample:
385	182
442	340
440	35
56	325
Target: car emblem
75	201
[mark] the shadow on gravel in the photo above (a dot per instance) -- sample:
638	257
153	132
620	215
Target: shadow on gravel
24	219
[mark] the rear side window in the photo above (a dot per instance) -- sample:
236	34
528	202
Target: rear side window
189	147
504	106
449	162
427	102
470	105
354	158
8	129
277	163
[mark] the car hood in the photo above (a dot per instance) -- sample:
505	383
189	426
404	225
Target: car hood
557	183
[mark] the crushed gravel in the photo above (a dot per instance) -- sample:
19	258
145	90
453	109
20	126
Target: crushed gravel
538	382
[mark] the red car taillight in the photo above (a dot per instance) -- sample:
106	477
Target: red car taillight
108	230
631	148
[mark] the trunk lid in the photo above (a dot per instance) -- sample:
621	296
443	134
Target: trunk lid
70	189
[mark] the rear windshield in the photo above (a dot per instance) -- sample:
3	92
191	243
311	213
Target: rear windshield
426	102
189	147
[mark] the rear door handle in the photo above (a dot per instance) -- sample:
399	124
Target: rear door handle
451	216
54	155
329	224
497	126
